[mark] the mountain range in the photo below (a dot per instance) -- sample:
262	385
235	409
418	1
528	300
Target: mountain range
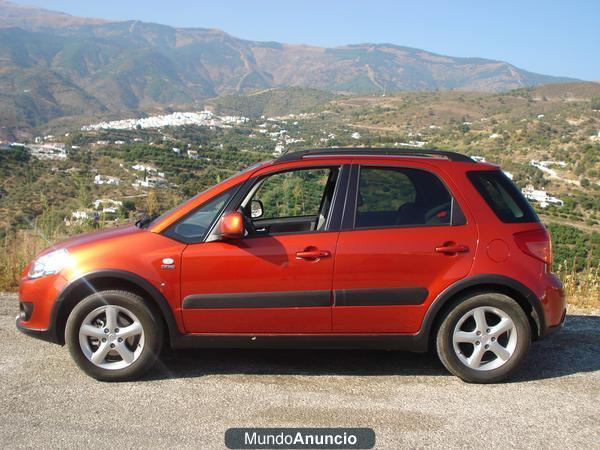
54	65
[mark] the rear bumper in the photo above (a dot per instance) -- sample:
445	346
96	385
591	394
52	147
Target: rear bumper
554	305
48	334
555	328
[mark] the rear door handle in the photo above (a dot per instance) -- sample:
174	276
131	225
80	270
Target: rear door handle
451	248
313	253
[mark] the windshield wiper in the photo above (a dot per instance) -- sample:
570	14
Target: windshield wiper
145	221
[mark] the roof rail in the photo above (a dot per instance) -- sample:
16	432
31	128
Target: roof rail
366	151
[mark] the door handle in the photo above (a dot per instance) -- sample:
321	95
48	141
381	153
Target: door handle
313	253
451	248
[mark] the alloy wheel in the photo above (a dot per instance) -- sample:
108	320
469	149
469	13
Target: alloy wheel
111	337
484	338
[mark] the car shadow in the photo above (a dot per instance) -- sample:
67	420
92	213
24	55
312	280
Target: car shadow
571	350
574	349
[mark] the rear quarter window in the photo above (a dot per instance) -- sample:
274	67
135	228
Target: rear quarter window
502	196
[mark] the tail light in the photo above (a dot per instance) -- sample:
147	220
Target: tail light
536	243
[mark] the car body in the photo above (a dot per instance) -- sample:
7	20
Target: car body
364	248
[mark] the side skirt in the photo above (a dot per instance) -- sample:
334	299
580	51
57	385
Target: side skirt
406	342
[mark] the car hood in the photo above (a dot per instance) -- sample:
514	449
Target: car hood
95	236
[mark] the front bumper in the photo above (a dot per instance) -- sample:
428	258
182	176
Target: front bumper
38	300
48	334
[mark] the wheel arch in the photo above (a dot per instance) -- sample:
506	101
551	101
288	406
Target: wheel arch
98	281
477	284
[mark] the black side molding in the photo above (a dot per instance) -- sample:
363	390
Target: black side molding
292	299
380	297
308	299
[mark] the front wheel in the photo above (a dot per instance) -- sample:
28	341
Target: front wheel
484	338
113	336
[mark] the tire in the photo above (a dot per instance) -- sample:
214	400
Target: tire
494	354
102	349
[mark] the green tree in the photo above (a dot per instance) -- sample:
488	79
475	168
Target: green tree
82	186
151	204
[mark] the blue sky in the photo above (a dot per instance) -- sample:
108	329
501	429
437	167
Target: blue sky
551	37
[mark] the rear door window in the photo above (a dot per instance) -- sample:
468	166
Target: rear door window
398	196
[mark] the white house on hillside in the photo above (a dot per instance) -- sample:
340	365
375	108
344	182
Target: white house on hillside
106	179
108	206
540	196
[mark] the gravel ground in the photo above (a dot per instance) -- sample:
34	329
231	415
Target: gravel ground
192	397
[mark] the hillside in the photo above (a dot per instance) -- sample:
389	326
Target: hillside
559	122
555	123
54	65
271	102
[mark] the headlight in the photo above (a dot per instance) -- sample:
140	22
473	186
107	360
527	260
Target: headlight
50	263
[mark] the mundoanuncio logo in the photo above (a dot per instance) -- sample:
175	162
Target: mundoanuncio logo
300	438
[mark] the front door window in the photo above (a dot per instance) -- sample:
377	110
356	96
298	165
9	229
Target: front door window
291	202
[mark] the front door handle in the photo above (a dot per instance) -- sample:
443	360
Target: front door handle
450	248
313	253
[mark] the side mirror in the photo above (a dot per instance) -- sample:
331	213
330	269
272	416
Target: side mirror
232	225
256	209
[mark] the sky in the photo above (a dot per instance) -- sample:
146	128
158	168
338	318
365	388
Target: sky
548	36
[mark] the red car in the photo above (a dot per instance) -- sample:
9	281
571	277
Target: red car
362	248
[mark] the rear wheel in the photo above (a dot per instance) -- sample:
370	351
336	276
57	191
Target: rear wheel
484	338
113	336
